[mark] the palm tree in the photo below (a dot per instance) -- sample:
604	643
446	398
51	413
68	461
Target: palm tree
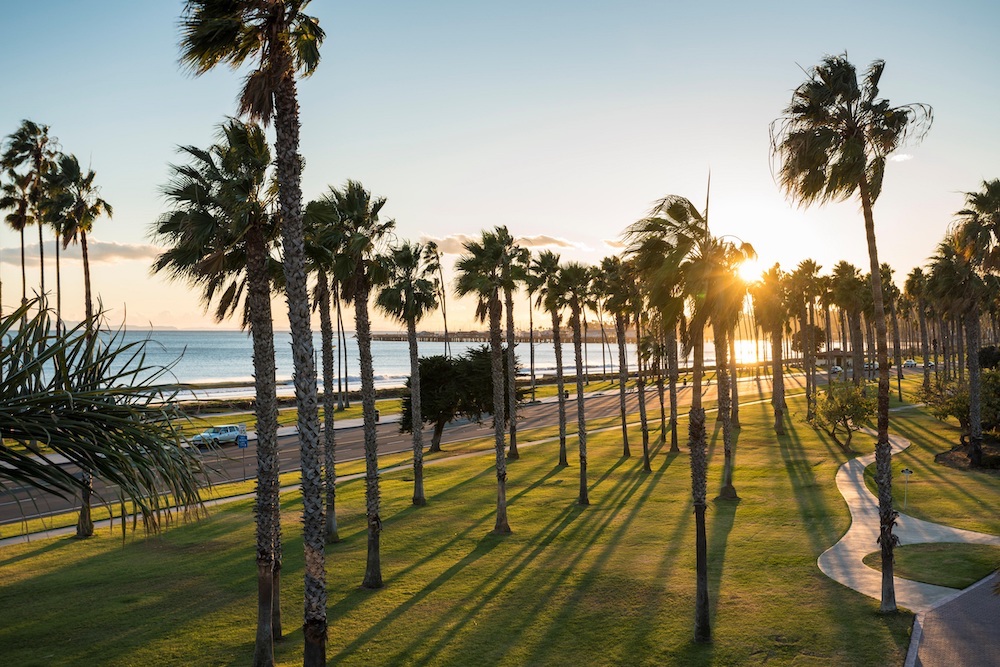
849	293
480	272
15	198
575	279
532	283
771	311
31	147
513	258
360	266
283	41
411	293
958	277
727	295
434	256
615	278
636	303
832	142
892	295
220	238
680	235
75	200
321	224
546	271
916	288
804	289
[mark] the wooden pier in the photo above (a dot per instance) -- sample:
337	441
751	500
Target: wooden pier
541	336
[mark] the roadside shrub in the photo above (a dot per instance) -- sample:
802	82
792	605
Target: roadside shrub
843	410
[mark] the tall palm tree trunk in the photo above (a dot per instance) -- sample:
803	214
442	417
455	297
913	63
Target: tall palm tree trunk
267	508
289	171
329	410
883	450
672	383
622	380
502	527
959	350
531	345
88	299
734	383
810	358
728	491
59	324
560	388
699	493
511	411
444	313
417	421
972	332
777	381
373	569
343	347
857	347
41	249
340	345
581	416
897	355
24	272
85	523
640	384
924	345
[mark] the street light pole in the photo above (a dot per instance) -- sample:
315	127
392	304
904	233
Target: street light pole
906	479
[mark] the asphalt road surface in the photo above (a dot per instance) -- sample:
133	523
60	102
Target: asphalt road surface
233	464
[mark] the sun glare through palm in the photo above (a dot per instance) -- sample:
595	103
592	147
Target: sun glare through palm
751	270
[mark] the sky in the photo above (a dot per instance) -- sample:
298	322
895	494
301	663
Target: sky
563	120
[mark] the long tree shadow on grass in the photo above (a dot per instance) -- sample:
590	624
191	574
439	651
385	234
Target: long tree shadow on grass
814	510
621	511
919	434
132	583
457	616
466	610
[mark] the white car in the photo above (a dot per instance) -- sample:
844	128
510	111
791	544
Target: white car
836	370
909	363
217	435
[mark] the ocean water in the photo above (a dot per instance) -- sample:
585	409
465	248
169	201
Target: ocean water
227	356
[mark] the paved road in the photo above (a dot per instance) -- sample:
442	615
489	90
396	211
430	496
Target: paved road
233	464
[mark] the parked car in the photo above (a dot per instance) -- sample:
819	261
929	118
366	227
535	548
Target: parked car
929	364
836	370
217	435
909	363
871	367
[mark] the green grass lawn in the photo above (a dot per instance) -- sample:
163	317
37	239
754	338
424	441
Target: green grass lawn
962	498
612	583
953	565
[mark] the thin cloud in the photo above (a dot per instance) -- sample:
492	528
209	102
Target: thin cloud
99	251
543	241
103	251
449	245
615	244
902	157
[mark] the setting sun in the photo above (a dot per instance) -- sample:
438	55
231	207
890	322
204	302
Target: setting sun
751	270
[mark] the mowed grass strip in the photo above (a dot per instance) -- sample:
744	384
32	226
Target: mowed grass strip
953	565
968	499
612	583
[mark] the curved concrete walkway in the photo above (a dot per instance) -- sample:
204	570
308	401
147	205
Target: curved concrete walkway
843	563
